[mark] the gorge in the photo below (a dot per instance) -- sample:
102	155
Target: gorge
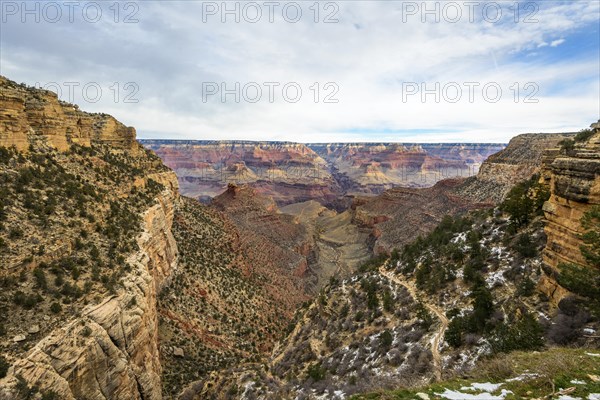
117	283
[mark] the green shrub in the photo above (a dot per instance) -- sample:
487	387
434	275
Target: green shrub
483	305
55	308
316	372
454	333
525	201
526	334
40	278
386	340
4	365
591	238
584	281
525	247
526	287
373	264
584	135
567	145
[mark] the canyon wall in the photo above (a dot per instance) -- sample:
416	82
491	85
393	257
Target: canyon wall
370	168
399	215
574	177
109	348
294	172
30	115
520	160
288	172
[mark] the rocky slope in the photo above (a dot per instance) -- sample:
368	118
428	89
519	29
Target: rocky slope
86	245
431	311
574	178
399	215
523	157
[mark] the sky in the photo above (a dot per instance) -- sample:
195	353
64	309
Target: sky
308	71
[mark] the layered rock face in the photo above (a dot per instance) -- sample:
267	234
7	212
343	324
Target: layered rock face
106	344
111	351
30	115
520	160
288	172
574	177
369	168
294	172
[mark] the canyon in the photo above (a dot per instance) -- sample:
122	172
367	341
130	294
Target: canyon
294	172
304	271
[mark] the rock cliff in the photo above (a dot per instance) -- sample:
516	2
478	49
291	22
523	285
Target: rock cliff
29	115
520	160
111	350
109	207
574	177
399	215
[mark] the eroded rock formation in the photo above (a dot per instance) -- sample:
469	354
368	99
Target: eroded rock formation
288	172
370	168
109	348
574	177
30	115
294	172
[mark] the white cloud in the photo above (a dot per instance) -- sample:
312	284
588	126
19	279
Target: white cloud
171	52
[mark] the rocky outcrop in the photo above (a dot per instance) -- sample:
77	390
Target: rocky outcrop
575	188
519	161
109	348
30	116
399	215
111	351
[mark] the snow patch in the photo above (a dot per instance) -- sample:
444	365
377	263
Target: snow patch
456	395
522	377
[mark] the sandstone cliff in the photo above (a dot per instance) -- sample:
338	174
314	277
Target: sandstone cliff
86	187
574	177
30	115
399	215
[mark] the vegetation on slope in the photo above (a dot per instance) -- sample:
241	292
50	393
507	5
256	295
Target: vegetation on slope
518	375
67	222
213	315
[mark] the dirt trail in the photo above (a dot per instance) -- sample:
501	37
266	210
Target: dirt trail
439	336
